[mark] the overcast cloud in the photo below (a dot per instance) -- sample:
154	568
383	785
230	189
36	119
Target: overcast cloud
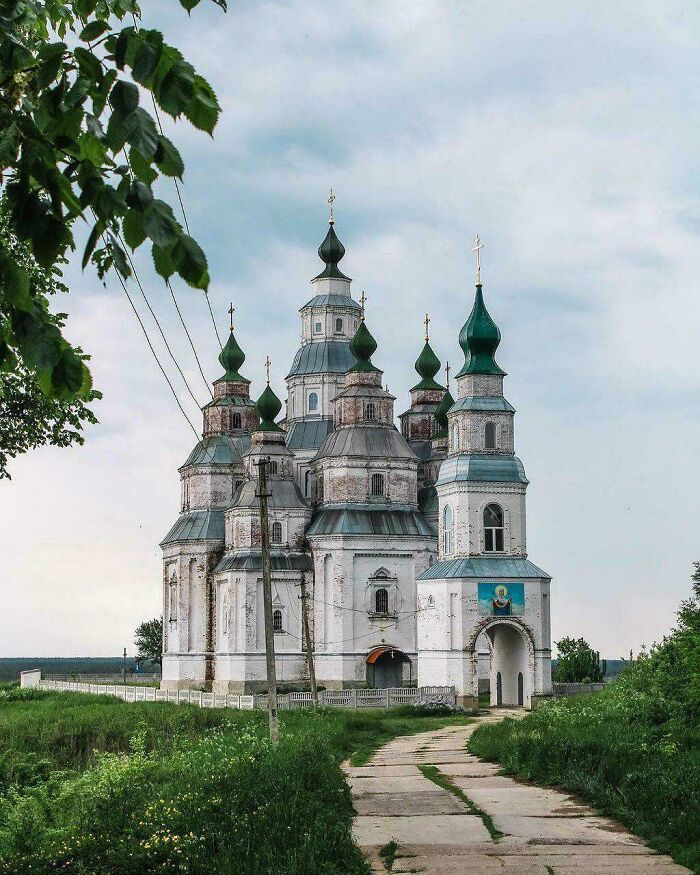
566	135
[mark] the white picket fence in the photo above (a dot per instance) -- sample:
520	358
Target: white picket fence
286	701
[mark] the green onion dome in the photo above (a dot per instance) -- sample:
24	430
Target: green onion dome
363	347
231	358
441	415
331	252
268	406
427	365
479	339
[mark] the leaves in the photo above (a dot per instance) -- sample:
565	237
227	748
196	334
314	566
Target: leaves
190	262
141	133
159	223
168	159
93	30
124	97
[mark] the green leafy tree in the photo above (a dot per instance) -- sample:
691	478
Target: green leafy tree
78	143
149	640
28	418
578	662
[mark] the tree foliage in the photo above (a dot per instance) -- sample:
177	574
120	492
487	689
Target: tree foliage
28	418
149	640
578	662
78	142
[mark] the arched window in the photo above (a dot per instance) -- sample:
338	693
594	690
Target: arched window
277	533
313	402
455	438
319	487
447	530
490	436
381	600
317	328
307	484
493	529
370	411
273	469
236	420
339	326
377	484
277	620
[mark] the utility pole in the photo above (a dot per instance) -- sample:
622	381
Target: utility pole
124	667
307	639
263	495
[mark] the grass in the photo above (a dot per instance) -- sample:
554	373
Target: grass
93	784
437	777
388	854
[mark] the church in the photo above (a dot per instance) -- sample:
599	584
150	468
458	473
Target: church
411	541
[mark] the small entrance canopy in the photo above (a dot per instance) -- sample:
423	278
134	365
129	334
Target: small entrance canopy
374	655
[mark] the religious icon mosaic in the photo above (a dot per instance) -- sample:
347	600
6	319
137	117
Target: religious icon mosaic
501	599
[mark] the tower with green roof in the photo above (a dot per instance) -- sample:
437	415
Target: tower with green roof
483	587
209	479
329	321
418	422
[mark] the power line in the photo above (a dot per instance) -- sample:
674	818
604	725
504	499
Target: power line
199	365
155	319
155	356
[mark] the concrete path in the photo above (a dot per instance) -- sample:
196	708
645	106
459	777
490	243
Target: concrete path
476	821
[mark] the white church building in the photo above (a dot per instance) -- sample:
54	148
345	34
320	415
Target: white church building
411	541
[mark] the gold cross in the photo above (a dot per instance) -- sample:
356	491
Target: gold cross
331	199
363	301
427	322
231	311
267	369
477	248
447	374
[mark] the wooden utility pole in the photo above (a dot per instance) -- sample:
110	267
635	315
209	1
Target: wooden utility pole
263	495
124	667
307	639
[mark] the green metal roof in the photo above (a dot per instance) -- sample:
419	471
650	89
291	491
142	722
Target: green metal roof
322	357
363	346
251	560
331	251
308	434
479	339
269	406
197	525
482	467
219	449
488	403
483	568
363	519
230	401
332	301
428	500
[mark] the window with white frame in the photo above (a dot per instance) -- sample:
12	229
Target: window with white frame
338	326
494	540
447	530
276	535
381	600
318	327
313	402
377	485
277	620
490	435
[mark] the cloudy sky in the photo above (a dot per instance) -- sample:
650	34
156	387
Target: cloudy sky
565	134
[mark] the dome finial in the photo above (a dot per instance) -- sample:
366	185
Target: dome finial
331	199
267	369
447	376
477	248
231	311
363	301
331	250
427	322
427	364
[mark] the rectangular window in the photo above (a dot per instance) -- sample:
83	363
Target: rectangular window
317	328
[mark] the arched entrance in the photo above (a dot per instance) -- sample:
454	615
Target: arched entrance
388	667
512	663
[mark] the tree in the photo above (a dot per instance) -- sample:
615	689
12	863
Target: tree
578	663
28	418
149	640
76	143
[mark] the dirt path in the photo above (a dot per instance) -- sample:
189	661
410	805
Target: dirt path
449	813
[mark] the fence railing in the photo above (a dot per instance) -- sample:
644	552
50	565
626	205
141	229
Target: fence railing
286	702
560	690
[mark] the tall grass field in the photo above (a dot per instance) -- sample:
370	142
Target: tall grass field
93	784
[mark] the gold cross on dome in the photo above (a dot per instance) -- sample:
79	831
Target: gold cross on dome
363	301
267	369
477	248
231	311
447	374
331	199
427	322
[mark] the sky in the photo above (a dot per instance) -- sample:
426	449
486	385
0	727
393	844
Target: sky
566	135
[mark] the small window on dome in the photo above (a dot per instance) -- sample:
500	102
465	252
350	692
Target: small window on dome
447	531
493	529
277	533
339	326
313	402
455	438
318	327
377	484
490	436
273	467
236	420
370	411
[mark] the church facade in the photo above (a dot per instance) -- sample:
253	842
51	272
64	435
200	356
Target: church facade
411	541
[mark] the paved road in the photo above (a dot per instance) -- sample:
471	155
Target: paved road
447	831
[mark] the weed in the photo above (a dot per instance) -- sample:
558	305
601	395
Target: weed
437	777
388	854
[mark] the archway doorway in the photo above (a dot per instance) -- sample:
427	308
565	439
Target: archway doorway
388	667
511	669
